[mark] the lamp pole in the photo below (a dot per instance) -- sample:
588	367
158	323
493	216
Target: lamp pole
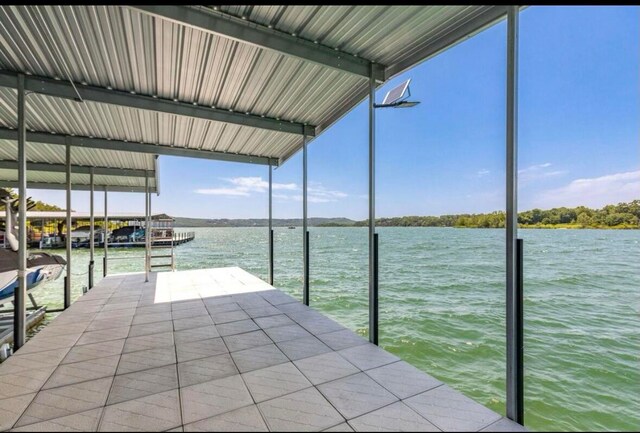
398	101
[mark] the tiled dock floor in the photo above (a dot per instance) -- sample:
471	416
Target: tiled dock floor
217	350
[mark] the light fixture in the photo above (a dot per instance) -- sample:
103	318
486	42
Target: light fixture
397	97
405	104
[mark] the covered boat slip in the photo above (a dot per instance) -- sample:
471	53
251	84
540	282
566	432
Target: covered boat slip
217	350
45	226
91	96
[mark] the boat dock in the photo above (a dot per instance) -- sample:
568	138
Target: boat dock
49	224
217	350
179	238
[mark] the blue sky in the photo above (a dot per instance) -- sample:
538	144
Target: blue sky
579	134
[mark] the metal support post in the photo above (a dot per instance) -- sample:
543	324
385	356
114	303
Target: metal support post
271	225
520	329
375	288
106	235
67	281
147	230
305	234
91	232
514	368
373	283
151	231
20	312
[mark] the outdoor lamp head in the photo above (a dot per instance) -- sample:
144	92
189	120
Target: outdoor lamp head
406	104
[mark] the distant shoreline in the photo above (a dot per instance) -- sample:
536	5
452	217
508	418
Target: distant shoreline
623	216
355	227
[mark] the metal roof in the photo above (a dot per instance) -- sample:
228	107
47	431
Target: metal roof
239	83
113	170
86	215
79	182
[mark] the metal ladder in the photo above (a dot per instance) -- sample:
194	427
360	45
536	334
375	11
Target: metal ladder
162	243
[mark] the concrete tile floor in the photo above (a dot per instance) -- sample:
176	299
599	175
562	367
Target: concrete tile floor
217	350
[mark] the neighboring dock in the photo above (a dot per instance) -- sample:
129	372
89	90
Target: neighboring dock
179	238
34	317
46	230
217	350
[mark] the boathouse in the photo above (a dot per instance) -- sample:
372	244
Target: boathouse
92	96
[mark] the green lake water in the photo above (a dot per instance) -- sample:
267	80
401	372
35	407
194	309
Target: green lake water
442	306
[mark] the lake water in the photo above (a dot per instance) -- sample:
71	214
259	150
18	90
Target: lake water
442	306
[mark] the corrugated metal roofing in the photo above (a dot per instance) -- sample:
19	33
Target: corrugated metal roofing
384	34
84	215
90	119
55	154
125	49
56	180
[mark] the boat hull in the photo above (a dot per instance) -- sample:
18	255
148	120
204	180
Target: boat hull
36	276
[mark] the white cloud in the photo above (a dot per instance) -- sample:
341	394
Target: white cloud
537	171
535	167
593	192
257	184
483	172
310	198
315	196
244	186
282	196
320	192
222	191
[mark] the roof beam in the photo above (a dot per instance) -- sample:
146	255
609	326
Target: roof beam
127	146
74	186
231	27
64	89
76	169
451	38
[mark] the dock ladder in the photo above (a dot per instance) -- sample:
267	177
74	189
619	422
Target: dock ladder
162	243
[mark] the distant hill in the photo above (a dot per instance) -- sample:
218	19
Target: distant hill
260	222
620	216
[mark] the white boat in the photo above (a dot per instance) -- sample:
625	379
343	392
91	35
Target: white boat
84	232
41	267
51	241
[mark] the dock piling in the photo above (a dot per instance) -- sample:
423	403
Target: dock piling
514	368
270	224
91	232
106	235
375	308
20	312
147	229
305	233
373	290
67	281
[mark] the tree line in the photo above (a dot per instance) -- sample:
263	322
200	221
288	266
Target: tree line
33	205
622	215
